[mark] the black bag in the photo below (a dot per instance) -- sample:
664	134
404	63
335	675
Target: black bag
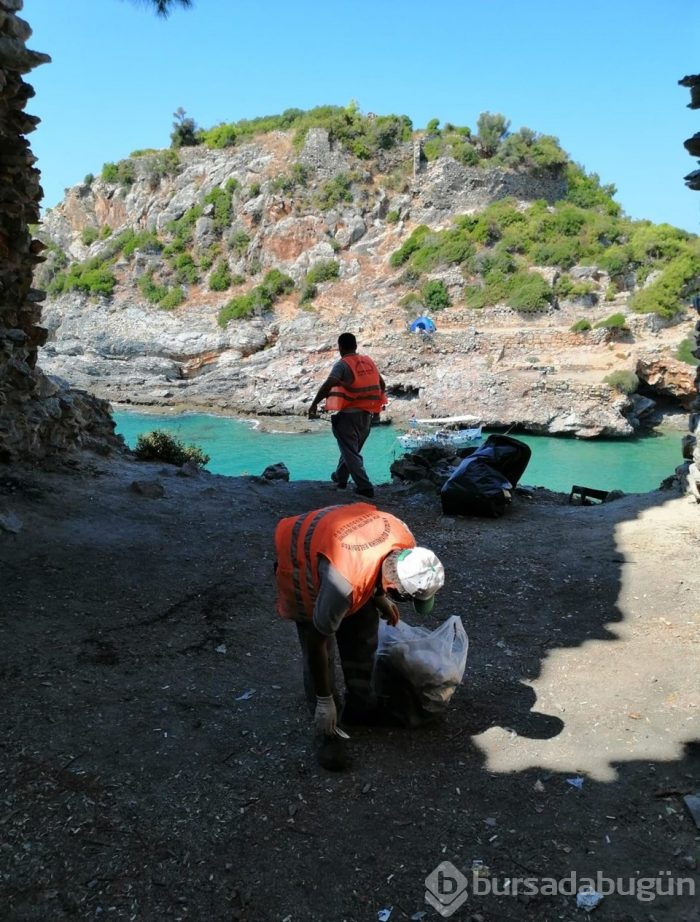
483	482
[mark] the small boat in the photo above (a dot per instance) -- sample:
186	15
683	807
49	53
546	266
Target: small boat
443	432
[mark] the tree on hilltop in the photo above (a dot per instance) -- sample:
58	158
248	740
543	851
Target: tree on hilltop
163	7
492	128
184	133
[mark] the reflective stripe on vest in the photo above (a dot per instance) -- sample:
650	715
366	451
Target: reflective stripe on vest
365	392
355	539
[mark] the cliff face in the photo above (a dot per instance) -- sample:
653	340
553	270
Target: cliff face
290	211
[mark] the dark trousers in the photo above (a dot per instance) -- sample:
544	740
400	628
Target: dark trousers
351	431
356	639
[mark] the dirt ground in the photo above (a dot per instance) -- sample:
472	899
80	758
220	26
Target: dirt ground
155	751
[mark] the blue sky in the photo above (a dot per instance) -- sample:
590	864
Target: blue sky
600	75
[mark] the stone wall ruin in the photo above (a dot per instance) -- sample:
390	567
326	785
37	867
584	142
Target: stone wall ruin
38	416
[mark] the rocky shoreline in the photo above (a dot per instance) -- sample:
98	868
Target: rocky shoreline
537	371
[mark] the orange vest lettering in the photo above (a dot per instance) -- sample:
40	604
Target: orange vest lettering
365	392
355	539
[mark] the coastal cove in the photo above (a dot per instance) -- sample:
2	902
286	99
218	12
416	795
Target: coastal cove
240	447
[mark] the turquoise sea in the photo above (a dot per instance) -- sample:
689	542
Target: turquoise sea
236	447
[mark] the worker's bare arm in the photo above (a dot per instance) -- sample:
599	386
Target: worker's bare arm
317	652
323	391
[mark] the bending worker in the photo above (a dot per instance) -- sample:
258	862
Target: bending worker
354	392
338	570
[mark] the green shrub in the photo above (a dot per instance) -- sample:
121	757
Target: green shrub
159	445
259	299
185	269
238	242
150	290
220	279
174	298
276	283
613	322
665	296
581	326
123	172
221	199
89	235
475	296
334	191
126	172
207	257
433	148
585	190
528	292
464	153
566	288
161	163
392	217
308	293
89	179
624	381
287	182
254	190
684	352
105	232
219	136
320	272
435	296
323	271
409	246
147	241
92	277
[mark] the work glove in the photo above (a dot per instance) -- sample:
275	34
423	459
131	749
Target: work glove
325	716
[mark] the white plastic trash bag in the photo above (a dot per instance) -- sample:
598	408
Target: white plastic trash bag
432	663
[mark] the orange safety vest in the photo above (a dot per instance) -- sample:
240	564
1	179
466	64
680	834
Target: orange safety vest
354	538
365	392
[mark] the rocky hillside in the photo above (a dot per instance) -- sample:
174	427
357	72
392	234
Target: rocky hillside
220	278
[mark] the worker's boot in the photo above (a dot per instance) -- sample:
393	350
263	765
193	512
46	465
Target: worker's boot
332	753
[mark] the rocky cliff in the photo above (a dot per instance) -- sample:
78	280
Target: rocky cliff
200	219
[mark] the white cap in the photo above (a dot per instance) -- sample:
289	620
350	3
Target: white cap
416	572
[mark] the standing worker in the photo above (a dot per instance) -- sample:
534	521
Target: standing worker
338	569
354	392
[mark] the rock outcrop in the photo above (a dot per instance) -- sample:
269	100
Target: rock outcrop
38	417
292	211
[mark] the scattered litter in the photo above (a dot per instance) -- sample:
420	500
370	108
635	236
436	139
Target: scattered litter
342	734
588	899
490	821
367	788
575	783
479	869
417	916
384	914
221	648
538	786
248	693
692	802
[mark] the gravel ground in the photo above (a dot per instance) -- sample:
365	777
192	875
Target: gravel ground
155	754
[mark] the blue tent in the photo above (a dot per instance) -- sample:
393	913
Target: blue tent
422	325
